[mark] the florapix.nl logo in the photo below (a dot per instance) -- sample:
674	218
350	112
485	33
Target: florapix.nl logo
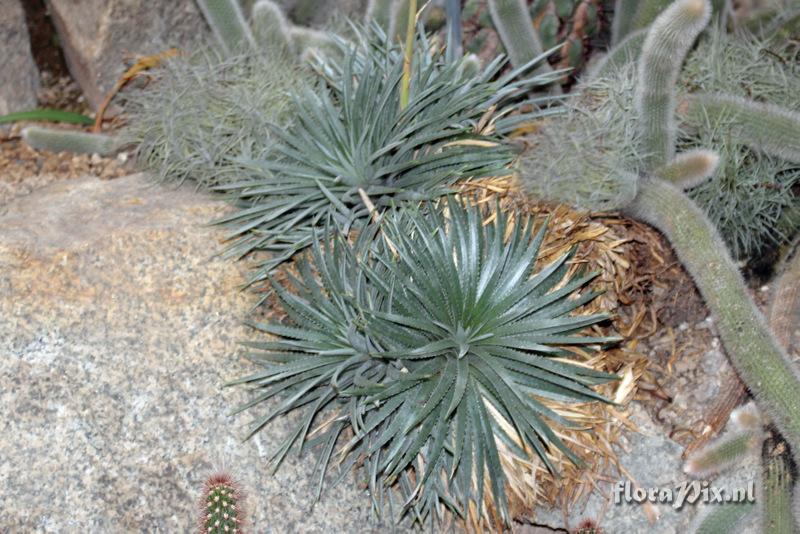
687	492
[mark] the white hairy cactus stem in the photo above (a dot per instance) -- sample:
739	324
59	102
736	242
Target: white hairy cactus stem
513	22
622	24
690	169
776	495
70	141
760	362
664	50
270	27
627	51
228	24
380	12
765	127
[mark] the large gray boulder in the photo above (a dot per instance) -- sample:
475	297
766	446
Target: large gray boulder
117	328
98	36
19	77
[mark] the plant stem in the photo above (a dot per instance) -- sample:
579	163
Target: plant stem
409	54
761	363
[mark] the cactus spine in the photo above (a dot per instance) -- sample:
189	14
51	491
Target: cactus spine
765	127
69	141
664	50
270	27
513	22
228	24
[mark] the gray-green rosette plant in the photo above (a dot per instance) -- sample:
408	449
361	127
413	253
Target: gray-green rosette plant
424	350
354	150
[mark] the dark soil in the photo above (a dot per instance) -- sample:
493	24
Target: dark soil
26	169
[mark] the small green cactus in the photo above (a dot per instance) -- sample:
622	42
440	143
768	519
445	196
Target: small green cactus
587	527
69	141
222	511
228	24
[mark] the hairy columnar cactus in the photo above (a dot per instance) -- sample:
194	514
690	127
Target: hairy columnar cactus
784	315
228	23
221	507
270	27
624	14
690	169
380	12
665	48
513	22
455	48
776	493
721	519
765	127
400	20
471	66
758	359
625	52
69	141
743	440
303	39
648	11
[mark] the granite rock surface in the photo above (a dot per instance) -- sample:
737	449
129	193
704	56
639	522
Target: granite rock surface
117	329
19	76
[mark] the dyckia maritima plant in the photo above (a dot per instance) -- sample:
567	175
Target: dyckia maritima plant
353	149
434	343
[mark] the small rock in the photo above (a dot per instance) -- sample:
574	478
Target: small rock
19	77
99	35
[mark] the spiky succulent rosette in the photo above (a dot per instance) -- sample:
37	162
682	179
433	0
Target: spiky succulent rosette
354	150
433	350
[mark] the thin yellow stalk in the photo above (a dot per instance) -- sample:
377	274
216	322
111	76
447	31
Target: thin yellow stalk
412	24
